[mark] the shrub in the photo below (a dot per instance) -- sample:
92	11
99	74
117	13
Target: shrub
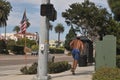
17	49
10	43
3	47
4	51
33	69
35	47
24	70
56	50
29	70
107	74
52	67
118	61
58	67
29	42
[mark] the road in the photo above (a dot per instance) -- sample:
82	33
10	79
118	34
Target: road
10	63
6	60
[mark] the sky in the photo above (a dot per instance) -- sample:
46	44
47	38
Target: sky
33	14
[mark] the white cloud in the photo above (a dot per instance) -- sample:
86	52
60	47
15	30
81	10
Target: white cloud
34	15
34	19
61	5
26	1
13	19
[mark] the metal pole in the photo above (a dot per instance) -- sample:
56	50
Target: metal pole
43	46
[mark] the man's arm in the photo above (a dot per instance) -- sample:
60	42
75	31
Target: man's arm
71	44
82	47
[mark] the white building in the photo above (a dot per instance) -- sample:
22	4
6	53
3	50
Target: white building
16	36
52	43
31	36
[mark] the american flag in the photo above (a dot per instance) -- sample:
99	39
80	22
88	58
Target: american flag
23	23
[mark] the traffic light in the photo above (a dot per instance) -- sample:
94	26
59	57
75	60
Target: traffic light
52	14
49	11
43	10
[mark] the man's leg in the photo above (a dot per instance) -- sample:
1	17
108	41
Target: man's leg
74	66
75	61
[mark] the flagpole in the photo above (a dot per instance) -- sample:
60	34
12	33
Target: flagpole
25	39
25	49
23	31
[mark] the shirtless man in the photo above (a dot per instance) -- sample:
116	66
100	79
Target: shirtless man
77	48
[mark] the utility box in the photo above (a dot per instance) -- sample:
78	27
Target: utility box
87	55
106	52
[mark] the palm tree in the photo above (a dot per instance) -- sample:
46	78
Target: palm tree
5	8
16	29
50	27
59	29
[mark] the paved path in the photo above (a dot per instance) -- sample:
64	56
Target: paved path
12	72
82	73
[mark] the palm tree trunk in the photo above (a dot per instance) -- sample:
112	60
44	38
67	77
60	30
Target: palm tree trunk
58	38
5	32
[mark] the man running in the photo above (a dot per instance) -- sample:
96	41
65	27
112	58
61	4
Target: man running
77	48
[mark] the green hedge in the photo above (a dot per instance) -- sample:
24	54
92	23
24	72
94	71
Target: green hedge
56	67
18	50
107	74
56	50
3	47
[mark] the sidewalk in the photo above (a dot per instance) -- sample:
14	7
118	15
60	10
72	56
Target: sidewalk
82	73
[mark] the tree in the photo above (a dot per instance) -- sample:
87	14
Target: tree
5	8
59	29
69	37
115	8
29	43
96	20
87	15
50	27
16	29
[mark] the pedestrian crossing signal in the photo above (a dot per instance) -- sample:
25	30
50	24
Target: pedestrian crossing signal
49	11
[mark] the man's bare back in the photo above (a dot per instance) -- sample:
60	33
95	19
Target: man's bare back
76	44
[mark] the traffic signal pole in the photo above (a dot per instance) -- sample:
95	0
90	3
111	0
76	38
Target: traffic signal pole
47	13
43	46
